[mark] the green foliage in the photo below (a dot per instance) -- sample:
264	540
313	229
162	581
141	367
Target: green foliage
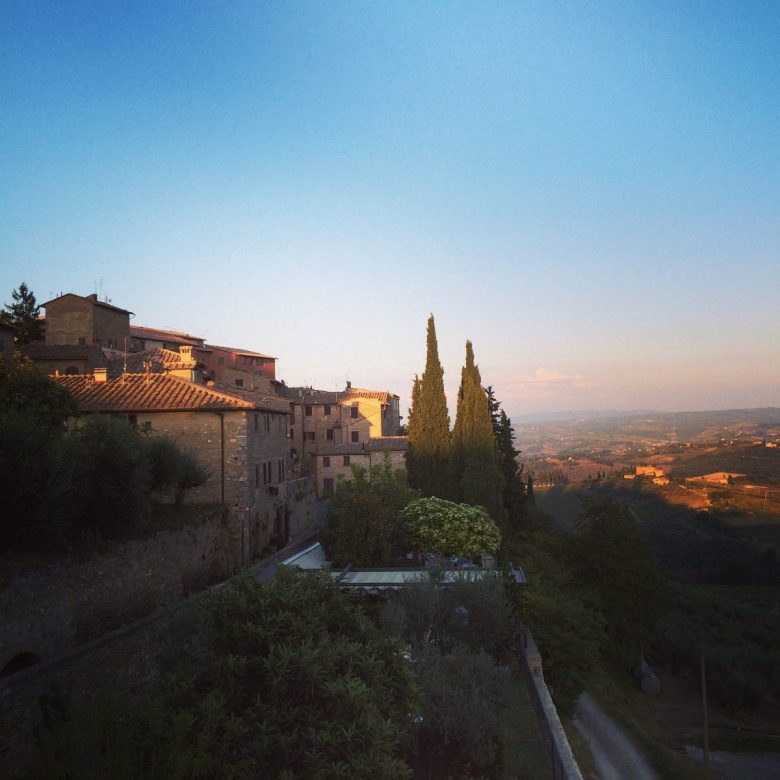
27	391
284	679
171	467
609	555
465	698
364	526
429	425
566	624
474	461
473	613
23	314
456	633
514	496
92	482
446	528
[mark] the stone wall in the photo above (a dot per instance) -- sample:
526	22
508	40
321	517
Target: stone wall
563	761
48	609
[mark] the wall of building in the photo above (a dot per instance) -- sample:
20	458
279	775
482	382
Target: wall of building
68	320
338	470
110	327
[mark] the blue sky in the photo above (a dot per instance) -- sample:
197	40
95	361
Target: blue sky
588	192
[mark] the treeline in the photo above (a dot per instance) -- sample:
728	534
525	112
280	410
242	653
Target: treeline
92	480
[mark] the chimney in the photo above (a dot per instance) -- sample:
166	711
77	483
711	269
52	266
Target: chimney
349	385
185	350
101	375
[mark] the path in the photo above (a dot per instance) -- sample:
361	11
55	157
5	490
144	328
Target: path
615	756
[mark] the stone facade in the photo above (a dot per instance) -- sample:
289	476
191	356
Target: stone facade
323	419
73	319
332	464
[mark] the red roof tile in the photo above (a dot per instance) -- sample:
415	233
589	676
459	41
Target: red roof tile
150	393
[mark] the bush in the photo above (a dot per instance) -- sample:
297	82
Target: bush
446	528
364	526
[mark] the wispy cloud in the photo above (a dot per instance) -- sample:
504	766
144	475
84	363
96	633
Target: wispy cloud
544	377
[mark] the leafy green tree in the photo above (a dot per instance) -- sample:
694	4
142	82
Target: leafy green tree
609	555
364	527
27	391
474	462
446	528
284	679
429	425
23	314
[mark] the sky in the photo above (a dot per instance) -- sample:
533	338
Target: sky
589	192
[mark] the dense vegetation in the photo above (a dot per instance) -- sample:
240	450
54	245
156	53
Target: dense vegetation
96	479
293	679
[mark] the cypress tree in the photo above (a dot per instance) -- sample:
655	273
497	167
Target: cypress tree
429	425
474	463
412	431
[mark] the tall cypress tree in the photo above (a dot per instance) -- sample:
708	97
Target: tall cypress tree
474	463
429	425
412	431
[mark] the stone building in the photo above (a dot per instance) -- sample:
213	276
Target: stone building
335	462
241	443
86	321
321	418
143	338
231	367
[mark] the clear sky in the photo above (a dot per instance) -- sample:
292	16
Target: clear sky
590	192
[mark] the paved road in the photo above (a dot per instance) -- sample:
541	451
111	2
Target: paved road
615	755
740	766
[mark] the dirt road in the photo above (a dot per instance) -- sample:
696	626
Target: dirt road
615	756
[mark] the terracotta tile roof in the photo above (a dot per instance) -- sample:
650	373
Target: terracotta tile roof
237	351
172	336
150	393
161	360
377	395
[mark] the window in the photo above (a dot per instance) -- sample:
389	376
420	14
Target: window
82	340
354	436
326	411
257	422
309	435
292	432
353	412
147	425
326	462
266	473
327	485
71	370
257	475
132	419
329	434
346	460
279	469
308	410
239	382
221	361
267	423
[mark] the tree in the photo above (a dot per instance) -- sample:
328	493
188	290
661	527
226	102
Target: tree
609	555
429	425
474	468
514	488
364	527
27	391
283	679
443	527
23	314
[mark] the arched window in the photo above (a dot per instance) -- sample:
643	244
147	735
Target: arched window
71	370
